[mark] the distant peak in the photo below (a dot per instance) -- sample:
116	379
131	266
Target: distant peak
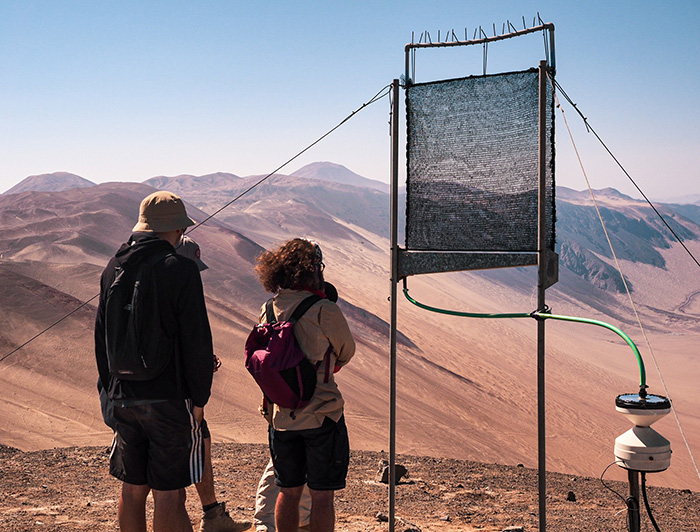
337	173
612	193
608	192
53	182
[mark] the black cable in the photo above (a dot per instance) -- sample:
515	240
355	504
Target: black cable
47	328
646	502
375	98
608	487
625	500
590	128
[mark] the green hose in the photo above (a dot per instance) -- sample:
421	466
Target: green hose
539	315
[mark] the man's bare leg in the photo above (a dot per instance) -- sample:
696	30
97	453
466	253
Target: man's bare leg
169	513
287	509
322	511
132	507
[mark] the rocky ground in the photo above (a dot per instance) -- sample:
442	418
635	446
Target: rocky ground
68	489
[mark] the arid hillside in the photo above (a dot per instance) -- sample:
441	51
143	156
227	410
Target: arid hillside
467	387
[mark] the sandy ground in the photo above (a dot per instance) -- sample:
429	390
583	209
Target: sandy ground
69	489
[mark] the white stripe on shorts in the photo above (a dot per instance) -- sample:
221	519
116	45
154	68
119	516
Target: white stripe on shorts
114	445
196	450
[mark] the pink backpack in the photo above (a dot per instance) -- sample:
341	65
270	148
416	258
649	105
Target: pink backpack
274	359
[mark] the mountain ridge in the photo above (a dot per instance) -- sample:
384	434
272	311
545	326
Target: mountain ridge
63	240
337	173
53	182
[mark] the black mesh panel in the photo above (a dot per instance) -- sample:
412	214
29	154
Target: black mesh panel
472	155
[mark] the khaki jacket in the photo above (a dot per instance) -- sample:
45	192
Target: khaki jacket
322	325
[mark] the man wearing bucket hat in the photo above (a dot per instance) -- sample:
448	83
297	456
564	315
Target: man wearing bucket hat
158	442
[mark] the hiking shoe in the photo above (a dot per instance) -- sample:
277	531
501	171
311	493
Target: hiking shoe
217	519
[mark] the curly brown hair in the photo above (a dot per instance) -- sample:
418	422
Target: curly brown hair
293	264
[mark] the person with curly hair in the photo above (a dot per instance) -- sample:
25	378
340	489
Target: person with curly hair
308	445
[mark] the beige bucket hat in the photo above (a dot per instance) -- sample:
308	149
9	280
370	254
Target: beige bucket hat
161	212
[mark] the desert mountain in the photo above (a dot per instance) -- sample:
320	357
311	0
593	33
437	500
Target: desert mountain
690	211
333	206
337	173
685	199
55	182
467	387
194	184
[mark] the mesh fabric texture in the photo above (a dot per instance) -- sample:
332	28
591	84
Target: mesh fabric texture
472	164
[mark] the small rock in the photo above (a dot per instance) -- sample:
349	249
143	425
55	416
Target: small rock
520	465
445	518
399	472
382	517
460	485
407	526
514	529
571	496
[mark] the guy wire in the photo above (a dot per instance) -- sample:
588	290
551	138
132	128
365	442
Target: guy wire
617	263
386	90
590	128
49	327
374	98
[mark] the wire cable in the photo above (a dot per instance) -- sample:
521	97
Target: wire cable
47	328
624	499
646	502
617	263
590	128
602	481
383	92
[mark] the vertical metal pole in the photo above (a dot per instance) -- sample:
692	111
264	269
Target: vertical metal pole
407	65
552	55
541	286
394	281
633	501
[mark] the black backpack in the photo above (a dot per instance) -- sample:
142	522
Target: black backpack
137	347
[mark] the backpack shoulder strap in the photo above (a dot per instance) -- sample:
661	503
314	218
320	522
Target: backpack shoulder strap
270	311
302	307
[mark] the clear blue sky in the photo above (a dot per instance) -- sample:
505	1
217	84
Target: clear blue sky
124	91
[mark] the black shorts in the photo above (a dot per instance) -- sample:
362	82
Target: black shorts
159	444
317	457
